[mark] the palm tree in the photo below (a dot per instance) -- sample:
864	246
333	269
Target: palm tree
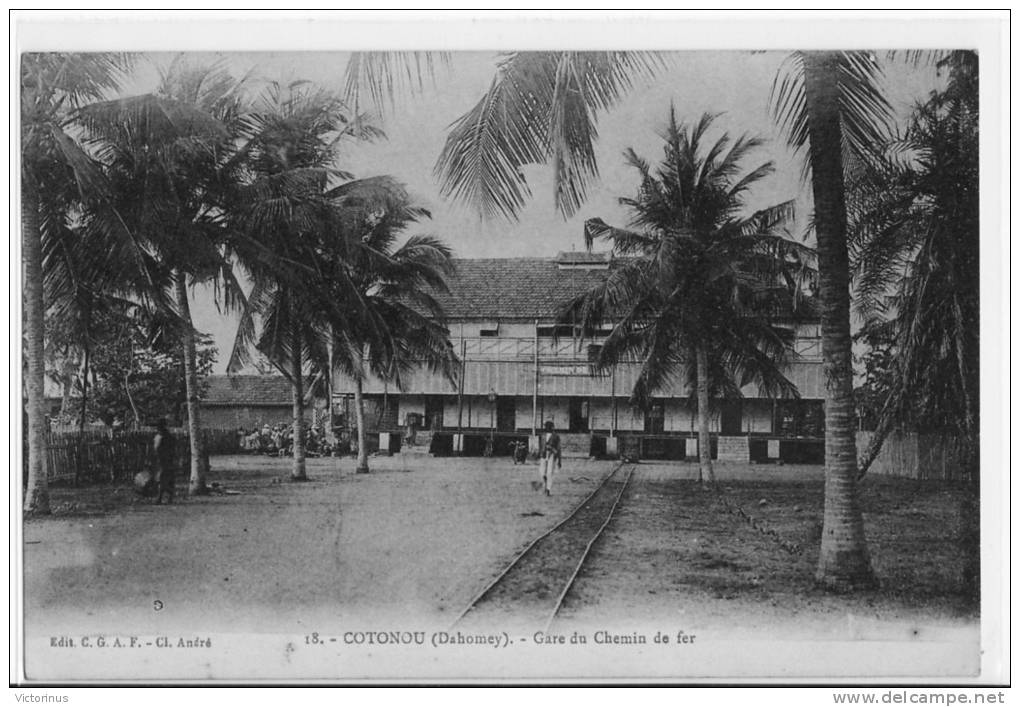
56	177
694	295
400	325
170	155
287	230
916	235
829	103
359	305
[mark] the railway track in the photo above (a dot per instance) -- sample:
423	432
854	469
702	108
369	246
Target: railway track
529	592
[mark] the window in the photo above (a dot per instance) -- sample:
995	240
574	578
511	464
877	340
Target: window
488	329
800	418
561	330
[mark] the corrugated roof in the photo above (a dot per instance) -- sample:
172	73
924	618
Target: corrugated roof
248	390
513	288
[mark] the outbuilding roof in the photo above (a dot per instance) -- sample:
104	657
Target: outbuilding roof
248	390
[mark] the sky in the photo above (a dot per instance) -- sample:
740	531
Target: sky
734	84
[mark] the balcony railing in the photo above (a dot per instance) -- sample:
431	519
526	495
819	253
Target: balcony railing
493	348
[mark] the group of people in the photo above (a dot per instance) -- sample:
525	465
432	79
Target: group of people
278	440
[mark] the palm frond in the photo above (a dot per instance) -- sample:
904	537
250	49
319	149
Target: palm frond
788	100
482	161
865	113
624	242
541	106
383	74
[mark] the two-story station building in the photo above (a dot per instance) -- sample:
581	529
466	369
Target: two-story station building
519	370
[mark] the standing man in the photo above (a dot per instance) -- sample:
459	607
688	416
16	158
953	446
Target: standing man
551	457
166	462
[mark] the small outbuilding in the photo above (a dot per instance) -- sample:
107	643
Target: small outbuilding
246	401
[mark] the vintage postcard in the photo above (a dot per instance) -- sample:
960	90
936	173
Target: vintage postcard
599	349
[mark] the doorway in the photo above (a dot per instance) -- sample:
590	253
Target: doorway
578	409
731	415
506	414
433	412
655	418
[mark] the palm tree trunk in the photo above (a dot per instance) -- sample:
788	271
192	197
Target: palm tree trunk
66	386
37	496
704	440
330	436
359	413
196	484
843	562
80	456
297	472
68	369
131	401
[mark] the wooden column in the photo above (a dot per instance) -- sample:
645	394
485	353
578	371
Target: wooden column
534	396
460	384
612	397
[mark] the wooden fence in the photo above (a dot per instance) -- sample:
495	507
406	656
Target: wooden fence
98	456
917	456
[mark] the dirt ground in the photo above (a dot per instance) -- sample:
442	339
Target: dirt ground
742	559
279	556
419	538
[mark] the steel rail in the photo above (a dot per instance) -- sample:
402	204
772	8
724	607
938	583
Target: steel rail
520	556
587	549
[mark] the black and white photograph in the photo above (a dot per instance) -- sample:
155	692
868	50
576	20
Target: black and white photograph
641	350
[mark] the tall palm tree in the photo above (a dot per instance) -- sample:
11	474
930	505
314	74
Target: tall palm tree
56	177
915	233
399	326
916	242
362	305
695	296
829	103
286	231
170	155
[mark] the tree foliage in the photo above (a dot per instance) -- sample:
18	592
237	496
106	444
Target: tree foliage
541	108
700	278
136	372
916	244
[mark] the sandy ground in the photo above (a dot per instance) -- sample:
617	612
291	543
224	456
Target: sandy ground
411	544
675	551
281	556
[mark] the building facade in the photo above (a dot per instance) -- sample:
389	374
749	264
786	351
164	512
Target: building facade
519	369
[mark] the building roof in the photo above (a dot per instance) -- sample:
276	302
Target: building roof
515	288
248	390
582	257
537	288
